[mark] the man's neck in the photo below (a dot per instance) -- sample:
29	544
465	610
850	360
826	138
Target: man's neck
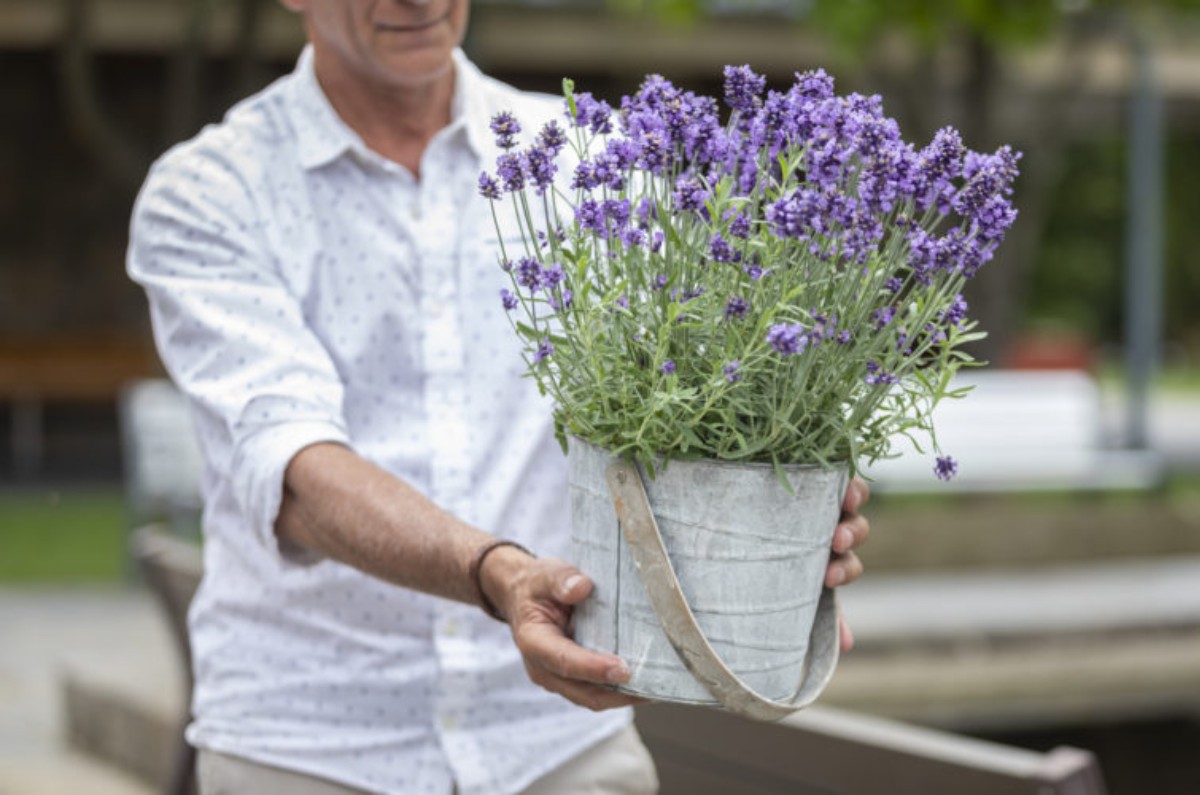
397	122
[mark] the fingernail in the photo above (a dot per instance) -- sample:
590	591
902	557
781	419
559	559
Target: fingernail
618	674
571	582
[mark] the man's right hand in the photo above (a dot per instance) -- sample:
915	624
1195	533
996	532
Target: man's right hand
537	597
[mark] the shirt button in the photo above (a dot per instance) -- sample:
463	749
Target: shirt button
449	722
450	628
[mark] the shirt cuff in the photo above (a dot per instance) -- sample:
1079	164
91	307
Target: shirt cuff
258	471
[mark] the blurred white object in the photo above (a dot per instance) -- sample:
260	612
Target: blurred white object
163	465
1021	430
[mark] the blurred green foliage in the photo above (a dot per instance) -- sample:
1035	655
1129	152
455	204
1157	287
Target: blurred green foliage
67	536
1078	277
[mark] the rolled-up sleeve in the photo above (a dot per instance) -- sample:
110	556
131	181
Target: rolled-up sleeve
230	330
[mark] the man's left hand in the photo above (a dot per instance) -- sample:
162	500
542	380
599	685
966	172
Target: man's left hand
851	533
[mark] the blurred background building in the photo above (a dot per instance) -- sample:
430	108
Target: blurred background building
1100	275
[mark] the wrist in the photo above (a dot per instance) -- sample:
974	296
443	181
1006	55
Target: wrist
499	565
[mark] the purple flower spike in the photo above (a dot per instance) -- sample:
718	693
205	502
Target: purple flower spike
731	370
545	351
668	367
787	339
945	468
689	195
876	375
511	169
957	312
506	128
508	299
742	88
736	308
488	187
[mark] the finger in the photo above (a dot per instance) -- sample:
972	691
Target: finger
545	646
562	582
851	533
843	570
857	495
594	697
845	636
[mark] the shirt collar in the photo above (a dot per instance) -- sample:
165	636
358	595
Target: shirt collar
322	136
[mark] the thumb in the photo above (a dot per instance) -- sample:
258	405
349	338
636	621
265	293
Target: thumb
568	584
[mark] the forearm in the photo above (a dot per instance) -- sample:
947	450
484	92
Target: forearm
348	509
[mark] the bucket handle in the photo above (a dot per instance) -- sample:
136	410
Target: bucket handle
679	623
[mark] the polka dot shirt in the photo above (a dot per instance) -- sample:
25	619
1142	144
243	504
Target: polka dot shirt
303	289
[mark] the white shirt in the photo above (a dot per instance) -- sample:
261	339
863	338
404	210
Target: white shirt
304	289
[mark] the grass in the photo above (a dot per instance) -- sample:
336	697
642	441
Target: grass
51	536
1174	381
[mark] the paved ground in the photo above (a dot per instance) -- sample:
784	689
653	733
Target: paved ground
39	630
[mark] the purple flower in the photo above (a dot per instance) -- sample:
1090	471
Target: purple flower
553	275
545	350
957	312
754	271
668	367
986	176
590	215
731	370
945	468
561	299
815	84
511	170
739	227
843	337
893	285
632	237
540	166
488	187
529	274
660	282
937	165
623	302
689	195
787	338
506	128
508	299
551	138
592	113
720	250
877	375
736	308
742	88
881	317
656	242
617	212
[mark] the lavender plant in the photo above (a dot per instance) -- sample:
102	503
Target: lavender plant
781	285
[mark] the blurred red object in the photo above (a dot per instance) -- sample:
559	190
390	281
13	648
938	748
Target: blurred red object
1052	351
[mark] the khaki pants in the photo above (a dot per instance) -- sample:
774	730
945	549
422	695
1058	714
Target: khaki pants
620	765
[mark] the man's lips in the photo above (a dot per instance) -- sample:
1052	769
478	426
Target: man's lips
410	27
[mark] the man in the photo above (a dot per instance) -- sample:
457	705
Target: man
323	287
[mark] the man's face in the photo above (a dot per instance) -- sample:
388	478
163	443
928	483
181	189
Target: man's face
396	43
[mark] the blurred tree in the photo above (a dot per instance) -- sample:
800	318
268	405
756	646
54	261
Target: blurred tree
952	59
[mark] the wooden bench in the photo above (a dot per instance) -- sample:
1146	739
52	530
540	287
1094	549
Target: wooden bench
38	370
1021	430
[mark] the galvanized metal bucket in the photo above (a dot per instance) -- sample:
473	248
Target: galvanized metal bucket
709	578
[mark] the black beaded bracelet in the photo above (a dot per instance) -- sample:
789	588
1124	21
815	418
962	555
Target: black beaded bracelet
473	572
